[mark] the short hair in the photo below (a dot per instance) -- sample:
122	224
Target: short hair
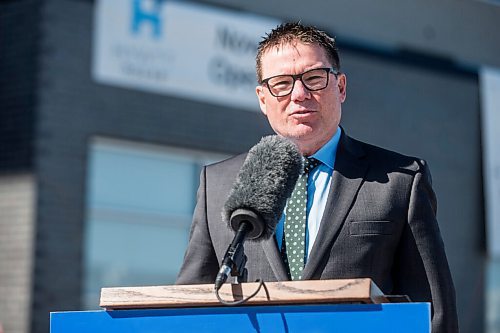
291	32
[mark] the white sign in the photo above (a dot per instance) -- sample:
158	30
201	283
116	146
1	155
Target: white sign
179	48
490	107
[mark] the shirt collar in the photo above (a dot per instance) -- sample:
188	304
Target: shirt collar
326	154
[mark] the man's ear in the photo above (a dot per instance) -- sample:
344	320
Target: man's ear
259	90
342	86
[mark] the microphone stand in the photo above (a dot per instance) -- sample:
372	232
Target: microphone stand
235	259
248	225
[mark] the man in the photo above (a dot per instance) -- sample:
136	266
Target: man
370	212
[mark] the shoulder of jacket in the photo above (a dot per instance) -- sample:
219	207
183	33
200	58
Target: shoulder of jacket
392	158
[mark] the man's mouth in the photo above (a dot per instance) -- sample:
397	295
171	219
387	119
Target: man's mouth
302	113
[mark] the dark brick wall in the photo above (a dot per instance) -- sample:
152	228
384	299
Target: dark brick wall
18	71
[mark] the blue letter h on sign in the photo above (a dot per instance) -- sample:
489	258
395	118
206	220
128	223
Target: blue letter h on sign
152	17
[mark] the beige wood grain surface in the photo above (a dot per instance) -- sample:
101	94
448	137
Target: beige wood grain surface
203	295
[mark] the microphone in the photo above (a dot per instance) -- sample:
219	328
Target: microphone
258	197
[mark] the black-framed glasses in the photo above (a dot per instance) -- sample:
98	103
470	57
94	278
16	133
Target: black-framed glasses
314	80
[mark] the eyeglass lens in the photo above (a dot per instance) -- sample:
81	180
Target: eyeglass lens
313	80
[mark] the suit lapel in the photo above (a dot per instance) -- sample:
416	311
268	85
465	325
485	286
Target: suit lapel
348	174
274	257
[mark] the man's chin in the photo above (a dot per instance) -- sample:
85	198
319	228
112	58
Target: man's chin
302	132
302	137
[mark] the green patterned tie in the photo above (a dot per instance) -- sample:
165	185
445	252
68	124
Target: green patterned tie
294	231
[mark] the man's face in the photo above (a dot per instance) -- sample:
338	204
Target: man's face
309	118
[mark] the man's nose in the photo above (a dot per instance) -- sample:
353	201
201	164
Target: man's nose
300	92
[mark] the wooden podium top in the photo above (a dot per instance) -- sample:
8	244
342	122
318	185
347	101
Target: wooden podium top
203	295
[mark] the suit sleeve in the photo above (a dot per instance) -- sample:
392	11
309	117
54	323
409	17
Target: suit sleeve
200	262
421	268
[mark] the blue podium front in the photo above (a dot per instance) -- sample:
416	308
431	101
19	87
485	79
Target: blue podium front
345	318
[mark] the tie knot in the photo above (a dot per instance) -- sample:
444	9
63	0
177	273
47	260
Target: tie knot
310	163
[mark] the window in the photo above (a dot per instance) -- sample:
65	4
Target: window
140	200
493	295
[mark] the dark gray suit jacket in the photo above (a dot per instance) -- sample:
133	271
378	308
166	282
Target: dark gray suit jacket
379	222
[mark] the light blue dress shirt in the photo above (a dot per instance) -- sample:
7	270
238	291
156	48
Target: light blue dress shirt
318	186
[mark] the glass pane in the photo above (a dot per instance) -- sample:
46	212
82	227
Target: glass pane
141	180
493	296
140	201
